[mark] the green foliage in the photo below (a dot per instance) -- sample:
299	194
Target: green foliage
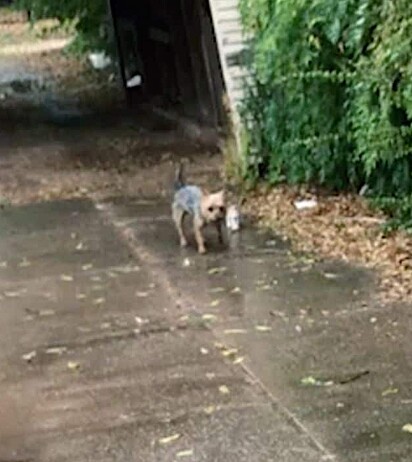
331	99
89	18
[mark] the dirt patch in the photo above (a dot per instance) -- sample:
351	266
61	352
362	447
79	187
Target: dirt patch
341	227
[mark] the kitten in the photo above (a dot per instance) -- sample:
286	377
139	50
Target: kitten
233	218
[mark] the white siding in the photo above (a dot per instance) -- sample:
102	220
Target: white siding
230	40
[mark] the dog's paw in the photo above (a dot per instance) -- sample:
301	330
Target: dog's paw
202	250
183	243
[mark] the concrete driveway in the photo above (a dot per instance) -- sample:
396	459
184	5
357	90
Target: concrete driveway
115	345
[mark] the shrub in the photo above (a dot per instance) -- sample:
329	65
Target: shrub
331	96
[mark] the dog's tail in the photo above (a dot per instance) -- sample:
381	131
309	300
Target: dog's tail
179	182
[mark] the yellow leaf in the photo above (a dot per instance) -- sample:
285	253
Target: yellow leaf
99	301
142	294
217	270
217	290
24	263
224	390
66	278
239	360
208	317
87	267
263	328
234	331
229	352
390	391
169	439
407	428
73	365
29	356
209	409
215	303
185	453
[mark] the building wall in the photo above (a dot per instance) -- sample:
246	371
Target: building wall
231	42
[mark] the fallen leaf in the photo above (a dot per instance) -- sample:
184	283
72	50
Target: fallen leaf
209	409
312	381
73	365
224	390
217	290
185	453
262	328
407	428
140	320
236	290
234	331
79	246
208	317
264	288
215	303
24	263
204	351
210	375
11	294
239	360
66	278
80	296
142	294
169	439
217	270
56	350
87	267
330	275
3	264
186	263
47	312
128	269
229	352
29	356
99	301
390	391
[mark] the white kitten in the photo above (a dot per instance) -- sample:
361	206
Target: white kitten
233	218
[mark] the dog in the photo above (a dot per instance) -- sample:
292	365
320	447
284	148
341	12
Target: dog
204	207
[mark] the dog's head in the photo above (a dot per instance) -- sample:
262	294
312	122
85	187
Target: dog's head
213	206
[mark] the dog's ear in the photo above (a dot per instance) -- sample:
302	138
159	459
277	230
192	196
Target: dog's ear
221	194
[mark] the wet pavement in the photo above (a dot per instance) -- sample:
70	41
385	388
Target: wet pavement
116	345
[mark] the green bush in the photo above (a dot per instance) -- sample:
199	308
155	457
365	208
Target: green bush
89	18
331	95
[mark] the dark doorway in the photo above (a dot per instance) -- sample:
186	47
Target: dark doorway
169	56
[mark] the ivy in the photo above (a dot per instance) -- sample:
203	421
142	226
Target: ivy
89	18
331	96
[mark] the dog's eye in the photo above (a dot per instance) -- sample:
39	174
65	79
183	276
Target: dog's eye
222	209
211	209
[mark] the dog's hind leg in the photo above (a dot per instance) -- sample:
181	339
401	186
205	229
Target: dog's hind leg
178	215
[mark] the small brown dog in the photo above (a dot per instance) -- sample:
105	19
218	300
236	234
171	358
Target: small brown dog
204	207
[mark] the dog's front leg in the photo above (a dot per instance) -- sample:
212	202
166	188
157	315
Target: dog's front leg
219	231
198	225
